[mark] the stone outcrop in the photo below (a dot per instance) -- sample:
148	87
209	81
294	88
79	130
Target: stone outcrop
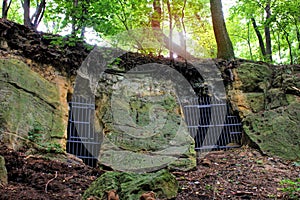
132	186
142	125
30	108
64	53
267	98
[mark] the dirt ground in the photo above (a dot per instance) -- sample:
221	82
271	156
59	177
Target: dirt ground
235	174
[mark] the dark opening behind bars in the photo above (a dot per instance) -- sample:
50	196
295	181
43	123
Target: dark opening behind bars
208	119
211	124
82	140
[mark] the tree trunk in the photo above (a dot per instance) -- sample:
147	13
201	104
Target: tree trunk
297	32
5	8
249	41
259	37
286	34
267	32
74	28
171	29
156	17
38	15
161	37
225	48
26	8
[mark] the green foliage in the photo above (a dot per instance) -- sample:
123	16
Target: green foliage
66	41
191	19
292	188
284	23
14	12
35	134
53	148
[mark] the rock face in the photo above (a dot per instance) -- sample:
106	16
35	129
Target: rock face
131	186
29	109
268	101
3	172
142	125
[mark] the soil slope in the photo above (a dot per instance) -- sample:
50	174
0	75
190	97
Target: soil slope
236	174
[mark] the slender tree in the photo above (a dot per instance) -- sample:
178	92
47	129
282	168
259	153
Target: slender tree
5	7
26	15
224	45
39	13
36	18
171	28
267	31
259	37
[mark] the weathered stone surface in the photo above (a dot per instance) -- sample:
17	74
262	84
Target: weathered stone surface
253	76
268	100
131	186
30	108
3	172
276	131
142	125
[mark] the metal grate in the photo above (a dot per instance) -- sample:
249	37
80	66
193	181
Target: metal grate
211	125
82	140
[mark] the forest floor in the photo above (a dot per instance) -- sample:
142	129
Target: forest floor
234	174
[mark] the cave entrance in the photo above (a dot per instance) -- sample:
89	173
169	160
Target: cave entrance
209	121
211	125
82	141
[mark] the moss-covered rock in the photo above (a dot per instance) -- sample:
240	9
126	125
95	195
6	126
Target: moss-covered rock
131	186
269	104
143	127
253	76
29	107
276	131
256	101
3	172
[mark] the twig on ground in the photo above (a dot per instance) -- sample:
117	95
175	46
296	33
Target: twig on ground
50	181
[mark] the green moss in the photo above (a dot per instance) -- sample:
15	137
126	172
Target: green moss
253	76
144	131
276	131
28	100
131	186
17	73
275	98
291	98
256	101
138	136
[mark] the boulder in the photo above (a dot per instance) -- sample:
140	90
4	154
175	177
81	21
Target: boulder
3	171
267	99
30	108
142	124
131	186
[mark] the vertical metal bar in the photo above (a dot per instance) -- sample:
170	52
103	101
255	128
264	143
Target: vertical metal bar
84	126
236	130
227	128
217	115
211	130
204	119
78	127
91	149
222	120
69	132
197	118
232	127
